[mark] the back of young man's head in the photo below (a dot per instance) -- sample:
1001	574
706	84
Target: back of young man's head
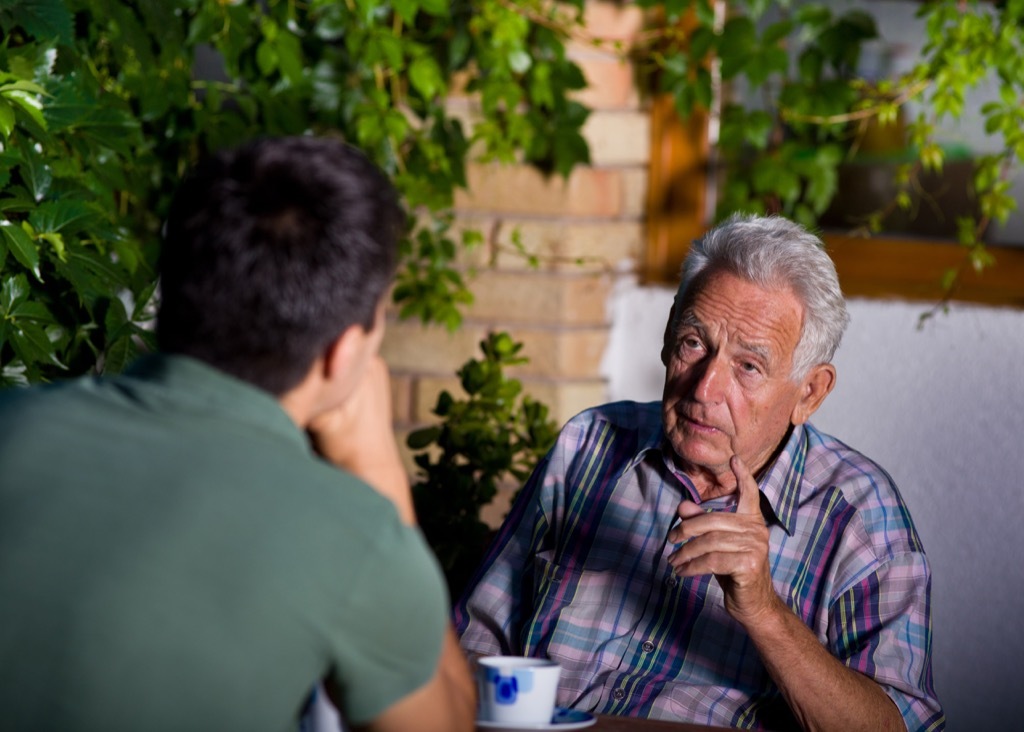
271	250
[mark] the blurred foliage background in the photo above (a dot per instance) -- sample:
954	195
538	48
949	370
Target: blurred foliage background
105	103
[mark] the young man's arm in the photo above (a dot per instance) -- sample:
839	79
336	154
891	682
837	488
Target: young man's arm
446	703
358	437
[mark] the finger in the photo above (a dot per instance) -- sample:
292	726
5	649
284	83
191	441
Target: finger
703	564
718	552
689	514
707	522
750	496
689	509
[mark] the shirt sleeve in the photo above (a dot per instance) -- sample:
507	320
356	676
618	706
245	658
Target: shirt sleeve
400	607
489	616
881	627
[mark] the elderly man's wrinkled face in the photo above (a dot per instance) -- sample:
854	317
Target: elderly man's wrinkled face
727	386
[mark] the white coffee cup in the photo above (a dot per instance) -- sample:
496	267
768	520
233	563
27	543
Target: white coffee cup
517	690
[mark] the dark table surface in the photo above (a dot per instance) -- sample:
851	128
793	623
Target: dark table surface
631	724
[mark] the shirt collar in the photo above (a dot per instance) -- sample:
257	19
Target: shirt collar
649	436
189	384
780	484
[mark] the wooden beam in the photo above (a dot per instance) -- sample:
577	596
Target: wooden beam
676	188
912	269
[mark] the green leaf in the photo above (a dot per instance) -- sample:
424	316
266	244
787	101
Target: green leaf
22	85
45	19
6	119
406	9
501	344
142	300
32	311
32	344
22	247
36	174
776	32
266	58
32	61
758	129
949	278
392	51
66	214
14	290
13	374
811	64
570	149
56	241
146	337
116	316
289	57
425	77
814	15
331	21
72	110
737	40
444	405
28	103
701	42
119	354
438	8
422	438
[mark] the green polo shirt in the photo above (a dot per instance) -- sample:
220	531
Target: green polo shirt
174	557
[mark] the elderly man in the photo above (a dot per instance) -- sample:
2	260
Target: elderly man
173	554
713	557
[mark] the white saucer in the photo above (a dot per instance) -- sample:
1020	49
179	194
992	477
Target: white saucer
564	719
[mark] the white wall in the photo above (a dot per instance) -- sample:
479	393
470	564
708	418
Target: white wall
942	409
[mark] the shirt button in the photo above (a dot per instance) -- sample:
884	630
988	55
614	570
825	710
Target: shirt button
619	693
671	580
647	646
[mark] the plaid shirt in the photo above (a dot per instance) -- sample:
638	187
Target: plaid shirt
579	573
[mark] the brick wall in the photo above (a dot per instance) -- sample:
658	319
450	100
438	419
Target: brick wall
586	230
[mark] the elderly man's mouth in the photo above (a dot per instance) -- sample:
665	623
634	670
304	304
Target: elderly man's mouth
700	427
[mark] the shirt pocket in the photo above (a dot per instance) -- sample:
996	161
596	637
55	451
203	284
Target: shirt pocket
582	617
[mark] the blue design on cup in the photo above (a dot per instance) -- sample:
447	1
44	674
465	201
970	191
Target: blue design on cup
508	688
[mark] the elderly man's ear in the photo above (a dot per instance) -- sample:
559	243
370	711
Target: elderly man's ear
814	387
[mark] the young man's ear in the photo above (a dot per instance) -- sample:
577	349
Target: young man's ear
814	387
346	357
341	353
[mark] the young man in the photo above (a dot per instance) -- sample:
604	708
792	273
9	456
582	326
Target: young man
178	546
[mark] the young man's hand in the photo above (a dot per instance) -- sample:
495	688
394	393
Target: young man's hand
357	436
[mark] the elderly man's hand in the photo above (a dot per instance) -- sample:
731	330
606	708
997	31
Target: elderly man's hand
731	546
358	437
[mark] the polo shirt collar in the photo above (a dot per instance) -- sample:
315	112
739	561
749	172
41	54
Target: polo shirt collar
193	385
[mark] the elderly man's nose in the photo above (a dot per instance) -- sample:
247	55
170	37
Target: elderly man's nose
710	382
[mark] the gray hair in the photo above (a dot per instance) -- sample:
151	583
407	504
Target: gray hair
773	252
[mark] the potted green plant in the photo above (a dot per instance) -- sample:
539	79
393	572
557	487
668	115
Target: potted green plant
490	437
